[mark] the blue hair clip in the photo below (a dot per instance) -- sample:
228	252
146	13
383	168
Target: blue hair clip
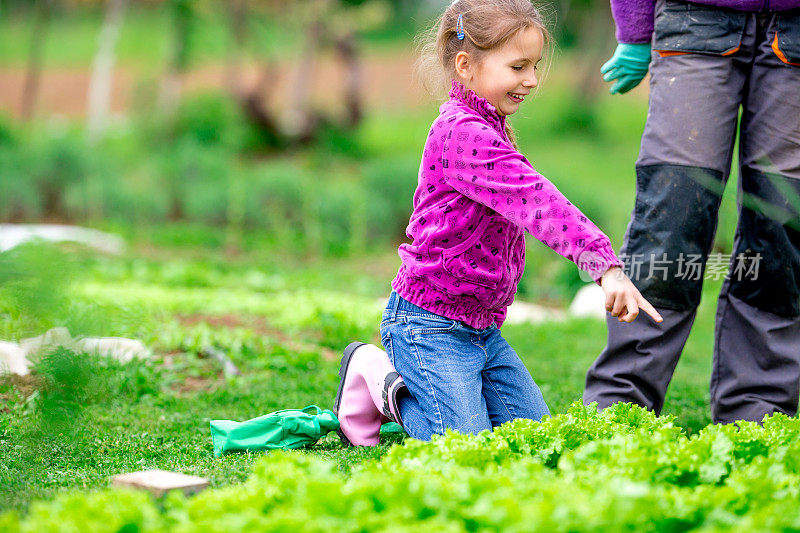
460	28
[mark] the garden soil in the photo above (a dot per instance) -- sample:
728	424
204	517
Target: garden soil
387	85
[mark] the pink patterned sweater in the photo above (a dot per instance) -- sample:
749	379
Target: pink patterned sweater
476	197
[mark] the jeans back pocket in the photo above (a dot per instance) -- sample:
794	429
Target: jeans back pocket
786	44
692	28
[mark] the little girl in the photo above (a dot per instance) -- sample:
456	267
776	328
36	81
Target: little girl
477	195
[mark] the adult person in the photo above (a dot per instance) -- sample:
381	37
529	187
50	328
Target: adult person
708	61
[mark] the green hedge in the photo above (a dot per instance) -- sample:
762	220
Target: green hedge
207	167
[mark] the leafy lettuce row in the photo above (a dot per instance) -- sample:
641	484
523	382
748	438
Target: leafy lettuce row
620	470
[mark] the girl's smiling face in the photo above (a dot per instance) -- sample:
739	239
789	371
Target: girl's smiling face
504	75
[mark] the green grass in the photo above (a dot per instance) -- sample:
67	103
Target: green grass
283	321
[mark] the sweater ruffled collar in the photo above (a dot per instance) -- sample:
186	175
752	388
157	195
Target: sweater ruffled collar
478	103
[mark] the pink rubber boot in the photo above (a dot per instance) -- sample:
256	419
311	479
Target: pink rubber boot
369	388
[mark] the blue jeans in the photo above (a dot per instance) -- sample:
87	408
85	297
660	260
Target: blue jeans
459	377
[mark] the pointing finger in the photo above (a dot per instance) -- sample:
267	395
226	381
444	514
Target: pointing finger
649	309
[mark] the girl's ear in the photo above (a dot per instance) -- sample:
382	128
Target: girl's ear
463	66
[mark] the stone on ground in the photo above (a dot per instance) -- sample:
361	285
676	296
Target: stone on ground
13	359
119	348
47	342
527	313
159	482
589	302
12	235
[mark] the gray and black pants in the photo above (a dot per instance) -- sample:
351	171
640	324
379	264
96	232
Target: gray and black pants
708	65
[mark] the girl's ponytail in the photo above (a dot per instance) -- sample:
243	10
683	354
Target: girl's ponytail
511	135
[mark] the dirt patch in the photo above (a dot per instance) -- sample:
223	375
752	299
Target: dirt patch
25	385
198	384
17	387
387	85
256	324
259	326
222	321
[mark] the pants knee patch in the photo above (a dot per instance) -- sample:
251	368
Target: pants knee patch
765	269
671	232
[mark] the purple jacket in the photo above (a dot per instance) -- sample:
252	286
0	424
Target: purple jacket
476	197
634	18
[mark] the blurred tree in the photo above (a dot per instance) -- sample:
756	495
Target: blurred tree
587	27
101	81
325	25
251	100
30	91
237	18
346	47
182	15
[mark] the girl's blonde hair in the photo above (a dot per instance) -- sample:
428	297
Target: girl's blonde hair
487	24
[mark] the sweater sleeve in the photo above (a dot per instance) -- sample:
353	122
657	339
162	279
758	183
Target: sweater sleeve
482	165
634	19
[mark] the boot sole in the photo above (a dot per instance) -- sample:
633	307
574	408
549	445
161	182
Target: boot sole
346	356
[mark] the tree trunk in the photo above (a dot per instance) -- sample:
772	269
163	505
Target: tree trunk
169	94
30	91
596	44
102	79
237	13
299	119
254	104
252	100
346	47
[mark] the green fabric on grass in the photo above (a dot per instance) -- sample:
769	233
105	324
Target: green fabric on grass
285	429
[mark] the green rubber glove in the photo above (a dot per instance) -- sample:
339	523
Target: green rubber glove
628	66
